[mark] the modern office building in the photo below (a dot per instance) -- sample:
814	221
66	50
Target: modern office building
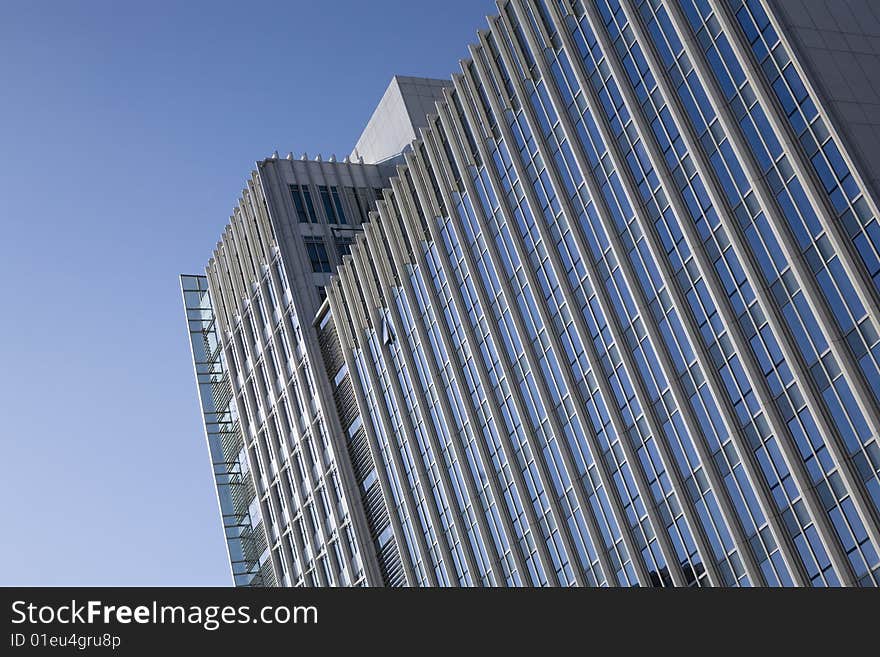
290	504
613	320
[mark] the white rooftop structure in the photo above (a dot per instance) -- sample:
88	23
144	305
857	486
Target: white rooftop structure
397	118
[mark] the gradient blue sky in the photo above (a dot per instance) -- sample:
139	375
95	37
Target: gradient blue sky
127	130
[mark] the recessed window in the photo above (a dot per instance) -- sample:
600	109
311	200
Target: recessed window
337	203
343	245
307	195
327	202
299	205
302	202
318	255
358	198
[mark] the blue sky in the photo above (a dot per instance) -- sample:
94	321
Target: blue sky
126	133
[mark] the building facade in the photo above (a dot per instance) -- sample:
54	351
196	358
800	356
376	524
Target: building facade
613	320
281	485
287	490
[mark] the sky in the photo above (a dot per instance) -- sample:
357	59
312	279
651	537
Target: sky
127	131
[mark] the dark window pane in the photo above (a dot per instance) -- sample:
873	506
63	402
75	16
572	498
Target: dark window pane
337	203
327	203
318	255
310	207
298	204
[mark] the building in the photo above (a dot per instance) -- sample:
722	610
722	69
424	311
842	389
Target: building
284	488
399	114
614	318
